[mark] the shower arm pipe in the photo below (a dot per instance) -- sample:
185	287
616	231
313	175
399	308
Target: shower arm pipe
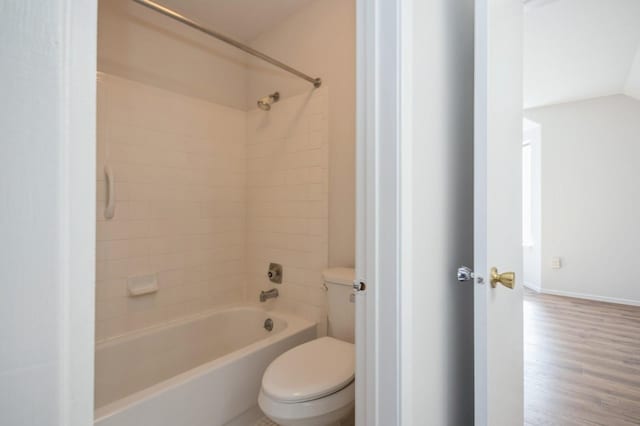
317	82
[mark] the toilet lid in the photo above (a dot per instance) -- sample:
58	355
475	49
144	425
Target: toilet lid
310	371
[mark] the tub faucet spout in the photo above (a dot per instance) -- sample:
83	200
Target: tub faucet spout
269	294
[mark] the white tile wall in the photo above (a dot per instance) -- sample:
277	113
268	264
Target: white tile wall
287	200
207	196
180	172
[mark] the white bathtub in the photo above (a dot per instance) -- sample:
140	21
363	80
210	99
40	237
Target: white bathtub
202	371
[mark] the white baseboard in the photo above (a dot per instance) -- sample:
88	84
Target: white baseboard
588	296
535	288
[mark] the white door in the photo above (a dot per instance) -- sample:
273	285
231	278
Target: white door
497	213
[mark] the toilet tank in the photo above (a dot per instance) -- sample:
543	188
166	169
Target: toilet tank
341	311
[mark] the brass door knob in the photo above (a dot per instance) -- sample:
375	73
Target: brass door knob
507	279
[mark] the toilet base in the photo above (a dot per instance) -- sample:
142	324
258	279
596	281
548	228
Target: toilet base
333	410
343	417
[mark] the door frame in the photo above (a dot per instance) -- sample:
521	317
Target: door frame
59	380
77	200
382	153
383	311
379	74
391	203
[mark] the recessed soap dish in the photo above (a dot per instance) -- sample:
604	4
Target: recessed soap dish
142	284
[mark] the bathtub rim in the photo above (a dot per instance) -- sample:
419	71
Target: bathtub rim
175	322
294	324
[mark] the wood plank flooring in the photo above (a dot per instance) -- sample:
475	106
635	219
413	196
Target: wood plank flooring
582	362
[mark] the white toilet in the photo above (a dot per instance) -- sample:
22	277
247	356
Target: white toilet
313	384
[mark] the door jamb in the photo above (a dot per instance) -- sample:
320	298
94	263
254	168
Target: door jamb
383	37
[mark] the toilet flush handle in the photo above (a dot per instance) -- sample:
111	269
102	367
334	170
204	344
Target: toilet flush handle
358	287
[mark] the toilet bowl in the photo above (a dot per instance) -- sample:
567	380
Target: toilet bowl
314	384
310	385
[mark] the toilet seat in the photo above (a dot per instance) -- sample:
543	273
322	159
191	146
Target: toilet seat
310	384
310	371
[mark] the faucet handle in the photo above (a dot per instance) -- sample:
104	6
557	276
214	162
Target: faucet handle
275	273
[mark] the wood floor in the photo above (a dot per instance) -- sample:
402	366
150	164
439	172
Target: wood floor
582	362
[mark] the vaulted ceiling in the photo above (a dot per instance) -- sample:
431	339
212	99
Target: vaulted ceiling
579	49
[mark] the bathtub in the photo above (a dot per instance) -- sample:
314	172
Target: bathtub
202	371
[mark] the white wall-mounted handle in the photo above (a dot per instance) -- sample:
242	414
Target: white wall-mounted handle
110	209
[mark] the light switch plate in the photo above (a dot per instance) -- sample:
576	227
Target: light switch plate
556	263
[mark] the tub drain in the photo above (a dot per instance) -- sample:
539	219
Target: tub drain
268	324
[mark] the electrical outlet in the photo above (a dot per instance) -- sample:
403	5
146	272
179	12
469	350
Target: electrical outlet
556	263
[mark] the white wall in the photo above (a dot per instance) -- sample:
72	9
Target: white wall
180	171
139	44
320	40
47	116
591	196
147	133
632	85
287	202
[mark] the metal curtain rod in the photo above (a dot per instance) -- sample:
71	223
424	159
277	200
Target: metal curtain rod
174	15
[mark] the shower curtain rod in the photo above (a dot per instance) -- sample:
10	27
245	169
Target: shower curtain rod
174	15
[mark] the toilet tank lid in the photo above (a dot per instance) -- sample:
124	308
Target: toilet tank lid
343	276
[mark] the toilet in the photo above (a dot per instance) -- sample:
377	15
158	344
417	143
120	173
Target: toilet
313	384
